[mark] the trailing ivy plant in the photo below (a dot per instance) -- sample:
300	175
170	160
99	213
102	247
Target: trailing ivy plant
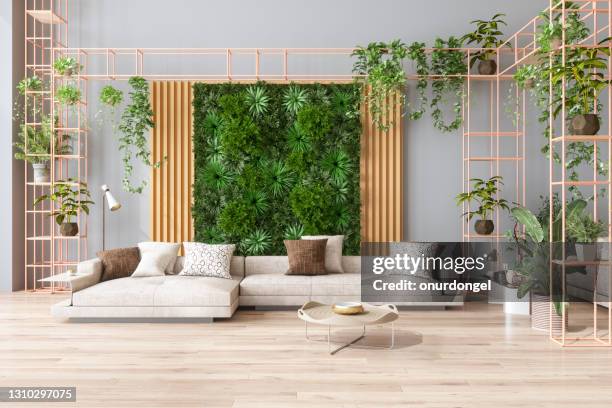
416	52
32	84
66	66
381	70
111	96
448	66
136	120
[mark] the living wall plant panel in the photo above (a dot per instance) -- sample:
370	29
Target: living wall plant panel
275	162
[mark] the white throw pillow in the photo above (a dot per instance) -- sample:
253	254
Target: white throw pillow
168	248
333	251
208	260
152	264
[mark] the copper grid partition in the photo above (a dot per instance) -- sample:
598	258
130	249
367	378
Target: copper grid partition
47	252
523	50
598	15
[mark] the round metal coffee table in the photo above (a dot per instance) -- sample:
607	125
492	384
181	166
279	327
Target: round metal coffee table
373	315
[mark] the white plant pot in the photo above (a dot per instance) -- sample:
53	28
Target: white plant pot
543	312
586	252
41	172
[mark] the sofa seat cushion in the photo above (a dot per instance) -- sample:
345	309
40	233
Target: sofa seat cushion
170	290
274	284
197	291
344	284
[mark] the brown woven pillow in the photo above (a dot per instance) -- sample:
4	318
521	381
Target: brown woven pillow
118	263
306	257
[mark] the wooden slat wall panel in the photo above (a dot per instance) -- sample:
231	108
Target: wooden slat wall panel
171	196
382	177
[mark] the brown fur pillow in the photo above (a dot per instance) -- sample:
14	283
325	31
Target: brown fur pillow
118	263
306	257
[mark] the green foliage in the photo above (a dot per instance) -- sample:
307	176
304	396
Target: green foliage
216	175
262	178
239	135
32	84
257	100
278	177
449	65
294	232
34	144
484	193
136	120
111	96
380	67
237	218
525	76
313	207
68	95
66	66
486	36
315	121
582	228
294	99
416	52
297	140
337	164
72	197
256	243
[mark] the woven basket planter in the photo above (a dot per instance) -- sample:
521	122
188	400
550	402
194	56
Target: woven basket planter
540	315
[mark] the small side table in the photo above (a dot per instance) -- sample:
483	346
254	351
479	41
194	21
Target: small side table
318	313
65	277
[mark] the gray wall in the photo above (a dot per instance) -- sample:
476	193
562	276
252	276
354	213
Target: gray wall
432	160
11	188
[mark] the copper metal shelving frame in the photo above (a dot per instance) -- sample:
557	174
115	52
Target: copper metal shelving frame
597	14
122	63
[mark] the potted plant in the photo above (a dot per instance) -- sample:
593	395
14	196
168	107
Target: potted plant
34	146
550	34
584	75
584	231
32	84
68	95
486	36
72	197
380	66
66	66
525	76
484	192
534	265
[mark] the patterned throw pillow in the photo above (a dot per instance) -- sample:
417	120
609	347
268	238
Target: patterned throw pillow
306	257
208	260
118	263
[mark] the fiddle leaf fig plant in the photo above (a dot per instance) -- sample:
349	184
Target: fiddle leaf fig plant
381	70
136	120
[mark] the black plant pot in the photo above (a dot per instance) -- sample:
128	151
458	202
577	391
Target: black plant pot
586	125
484	227
69	229
487	67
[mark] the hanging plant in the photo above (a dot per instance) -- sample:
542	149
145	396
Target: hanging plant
32	84
136	120
383	70
68	95
416	52
66	66
448	66
111	96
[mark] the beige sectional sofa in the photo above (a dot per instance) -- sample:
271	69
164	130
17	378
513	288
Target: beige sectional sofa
256	281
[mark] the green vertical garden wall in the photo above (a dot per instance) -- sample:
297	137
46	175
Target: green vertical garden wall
274	162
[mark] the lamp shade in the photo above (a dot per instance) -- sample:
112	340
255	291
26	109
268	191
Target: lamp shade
113	204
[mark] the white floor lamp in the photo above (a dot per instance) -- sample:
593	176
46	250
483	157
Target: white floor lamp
113	205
